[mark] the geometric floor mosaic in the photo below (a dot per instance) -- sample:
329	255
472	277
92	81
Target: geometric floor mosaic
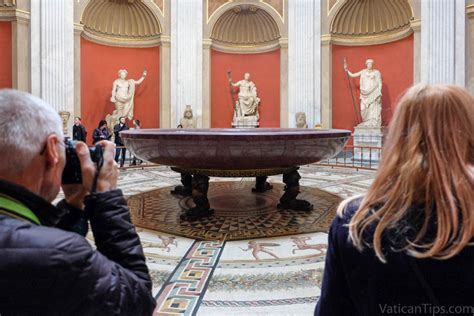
238	213
184	290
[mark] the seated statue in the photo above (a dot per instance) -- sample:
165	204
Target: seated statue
246	106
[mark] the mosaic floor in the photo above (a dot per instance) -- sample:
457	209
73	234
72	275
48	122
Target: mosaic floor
238	213
264	276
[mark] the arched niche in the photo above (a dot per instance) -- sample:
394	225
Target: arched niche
113	35
370	21
378	29
243	38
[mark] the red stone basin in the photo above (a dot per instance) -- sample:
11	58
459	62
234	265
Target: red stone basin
235	149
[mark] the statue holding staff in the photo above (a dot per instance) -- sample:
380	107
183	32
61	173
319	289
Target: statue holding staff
370	94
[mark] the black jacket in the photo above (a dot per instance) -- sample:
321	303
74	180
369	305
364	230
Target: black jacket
47	270
79	133
358	284
117	130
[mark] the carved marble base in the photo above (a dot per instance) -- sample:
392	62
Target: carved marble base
245	122
371	138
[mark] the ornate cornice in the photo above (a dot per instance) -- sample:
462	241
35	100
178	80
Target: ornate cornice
121	42
245	27
371	22
128	23
12	14
470	11
7	3
242	49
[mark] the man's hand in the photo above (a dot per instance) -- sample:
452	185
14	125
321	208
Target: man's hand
109	172
106	181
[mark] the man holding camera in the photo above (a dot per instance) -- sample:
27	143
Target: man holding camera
46	266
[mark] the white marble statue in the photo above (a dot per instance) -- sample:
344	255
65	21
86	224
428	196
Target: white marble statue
370	94
123	92
187	121
301	120
247	103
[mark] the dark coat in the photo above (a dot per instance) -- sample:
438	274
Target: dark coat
100	134
117	129
79	133
47	270
357	284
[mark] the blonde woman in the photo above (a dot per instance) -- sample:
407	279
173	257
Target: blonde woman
406	247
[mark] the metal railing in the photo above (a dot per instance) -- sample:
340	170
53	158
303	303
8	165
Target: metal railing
357	157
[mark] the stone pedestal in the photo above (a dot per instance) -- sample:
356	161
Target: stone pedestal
245	122
368	142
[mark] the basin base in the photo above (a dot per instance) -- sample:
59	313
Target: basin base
261	185
292	189
197	186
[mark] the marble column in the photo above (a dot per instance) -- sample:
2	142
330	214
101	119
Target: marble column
470	48
443	33
18	13
186	59
165	78
52	53
416	26
326	84
284	117
304	60
206	83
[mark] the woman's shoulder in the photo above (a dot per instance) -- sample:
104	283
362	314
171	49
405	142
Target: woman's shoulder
348	207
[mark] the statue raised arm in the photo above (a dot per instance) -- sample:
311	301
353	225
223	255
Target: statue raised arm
123	92
370	94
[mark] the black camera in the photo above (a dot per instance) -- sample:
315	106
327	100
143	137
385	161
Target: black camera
72	170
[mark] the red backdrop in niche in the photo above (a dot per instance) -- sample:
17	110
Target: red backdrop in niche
264	69
5	54
99	67
395	62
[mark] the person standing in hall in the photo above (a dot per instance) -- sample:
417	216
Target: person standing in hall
136	124
101	132
121	126
78	130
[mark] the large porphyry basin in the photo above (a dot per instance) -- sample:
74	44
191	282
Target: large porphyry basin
235	149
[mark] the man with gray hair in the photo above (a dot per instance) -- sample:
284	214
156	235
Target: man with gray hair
46	266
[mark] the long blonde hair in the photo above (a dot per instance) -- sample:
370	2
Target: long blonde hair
426	173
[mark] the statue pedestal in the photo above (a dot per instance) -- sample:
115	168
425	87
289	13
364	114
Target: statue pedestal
368	142
245	122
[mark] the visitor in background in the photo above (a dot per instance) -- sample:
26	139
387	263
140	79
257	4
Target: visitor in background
78	130
101	132
47	267
136	124
407	241
121	126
